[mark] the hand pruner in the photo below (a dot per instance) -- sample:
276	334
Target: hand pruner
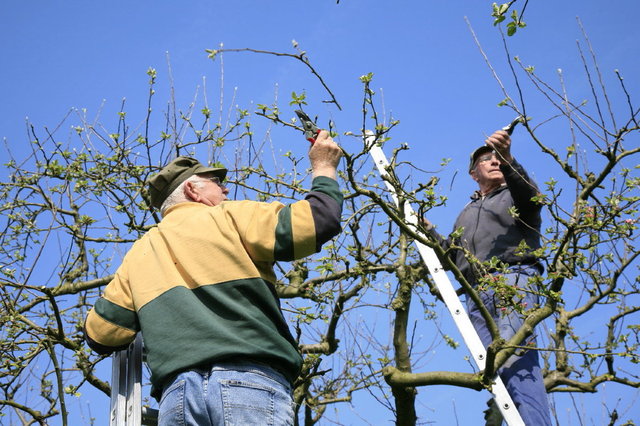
311	131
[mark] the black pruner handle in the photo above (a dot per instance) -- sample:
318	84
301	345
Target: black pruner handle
512	125
311	131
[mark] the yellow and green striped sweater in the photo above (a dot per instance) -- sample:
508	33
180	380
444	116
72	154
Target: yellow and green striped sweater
200	285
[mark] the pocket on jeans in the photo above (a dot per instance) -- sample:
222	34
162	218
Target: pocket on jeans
247	403
171	407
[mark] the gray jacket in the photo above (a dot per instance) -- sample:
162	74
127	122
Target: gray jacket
490	230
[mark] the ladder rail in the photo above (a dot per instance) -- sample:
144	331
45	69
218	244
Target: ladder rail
134	382
118	388
126	388
450	297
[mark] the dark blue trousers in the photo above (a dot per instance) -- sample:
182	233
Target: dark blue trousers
521	373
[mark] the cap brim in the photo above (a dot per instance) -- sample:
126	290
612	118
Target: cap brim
218	172
477	153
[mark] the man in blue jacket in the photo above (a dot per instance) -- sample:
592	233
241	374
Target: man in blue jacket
503	222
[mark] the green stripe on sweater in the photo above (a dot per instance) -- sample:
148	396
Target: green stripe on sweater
117	314
283	249
233	321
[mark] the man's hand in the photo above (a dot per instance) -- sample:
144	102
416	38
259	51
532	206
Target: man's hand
324	156
428	226
500	141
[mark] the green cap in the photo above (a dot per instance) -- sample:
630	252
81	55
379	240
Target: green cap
477	153
162	184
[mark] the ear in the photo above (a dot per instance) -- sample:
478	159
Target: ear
191	191
472	173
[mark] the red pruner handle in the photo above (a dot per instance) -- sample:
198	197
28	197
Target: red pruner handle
313	140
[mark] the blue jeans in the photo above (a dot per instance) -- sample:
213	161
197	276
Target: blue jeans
521	373
227	394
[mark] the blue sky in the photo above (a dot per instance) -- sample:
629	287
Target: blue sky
78	54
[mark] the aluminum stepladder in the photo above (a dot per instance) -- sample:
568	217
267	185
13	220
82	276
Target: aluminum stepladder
450	297
126	388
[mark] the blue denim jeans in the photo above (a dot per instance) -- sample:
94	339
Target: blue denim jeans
521	373
227	394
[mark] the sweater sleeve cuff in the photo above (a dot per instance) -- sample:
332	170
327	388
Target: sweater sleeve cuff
328	186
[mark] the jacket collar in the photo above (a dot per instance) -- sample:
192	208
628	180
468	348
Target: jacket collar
477	195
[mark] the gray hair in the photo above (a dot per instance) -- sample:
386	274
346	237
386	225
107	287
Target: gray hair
178	195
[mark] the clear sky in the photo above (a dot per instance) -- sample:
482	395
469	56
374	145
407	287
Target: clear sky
59	55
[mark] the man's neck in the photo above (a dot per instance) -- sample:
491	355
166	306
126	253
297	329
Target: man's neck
488	189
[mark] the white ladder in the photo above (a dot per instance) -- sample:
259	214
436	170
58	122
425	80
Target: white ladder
452	301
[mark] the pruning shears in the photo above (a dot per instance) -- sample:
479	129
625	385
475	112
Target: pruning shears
311	131
512	125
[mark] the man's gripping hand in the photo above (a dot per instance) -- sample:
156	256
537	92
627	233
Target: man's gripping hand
500	141
324	156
